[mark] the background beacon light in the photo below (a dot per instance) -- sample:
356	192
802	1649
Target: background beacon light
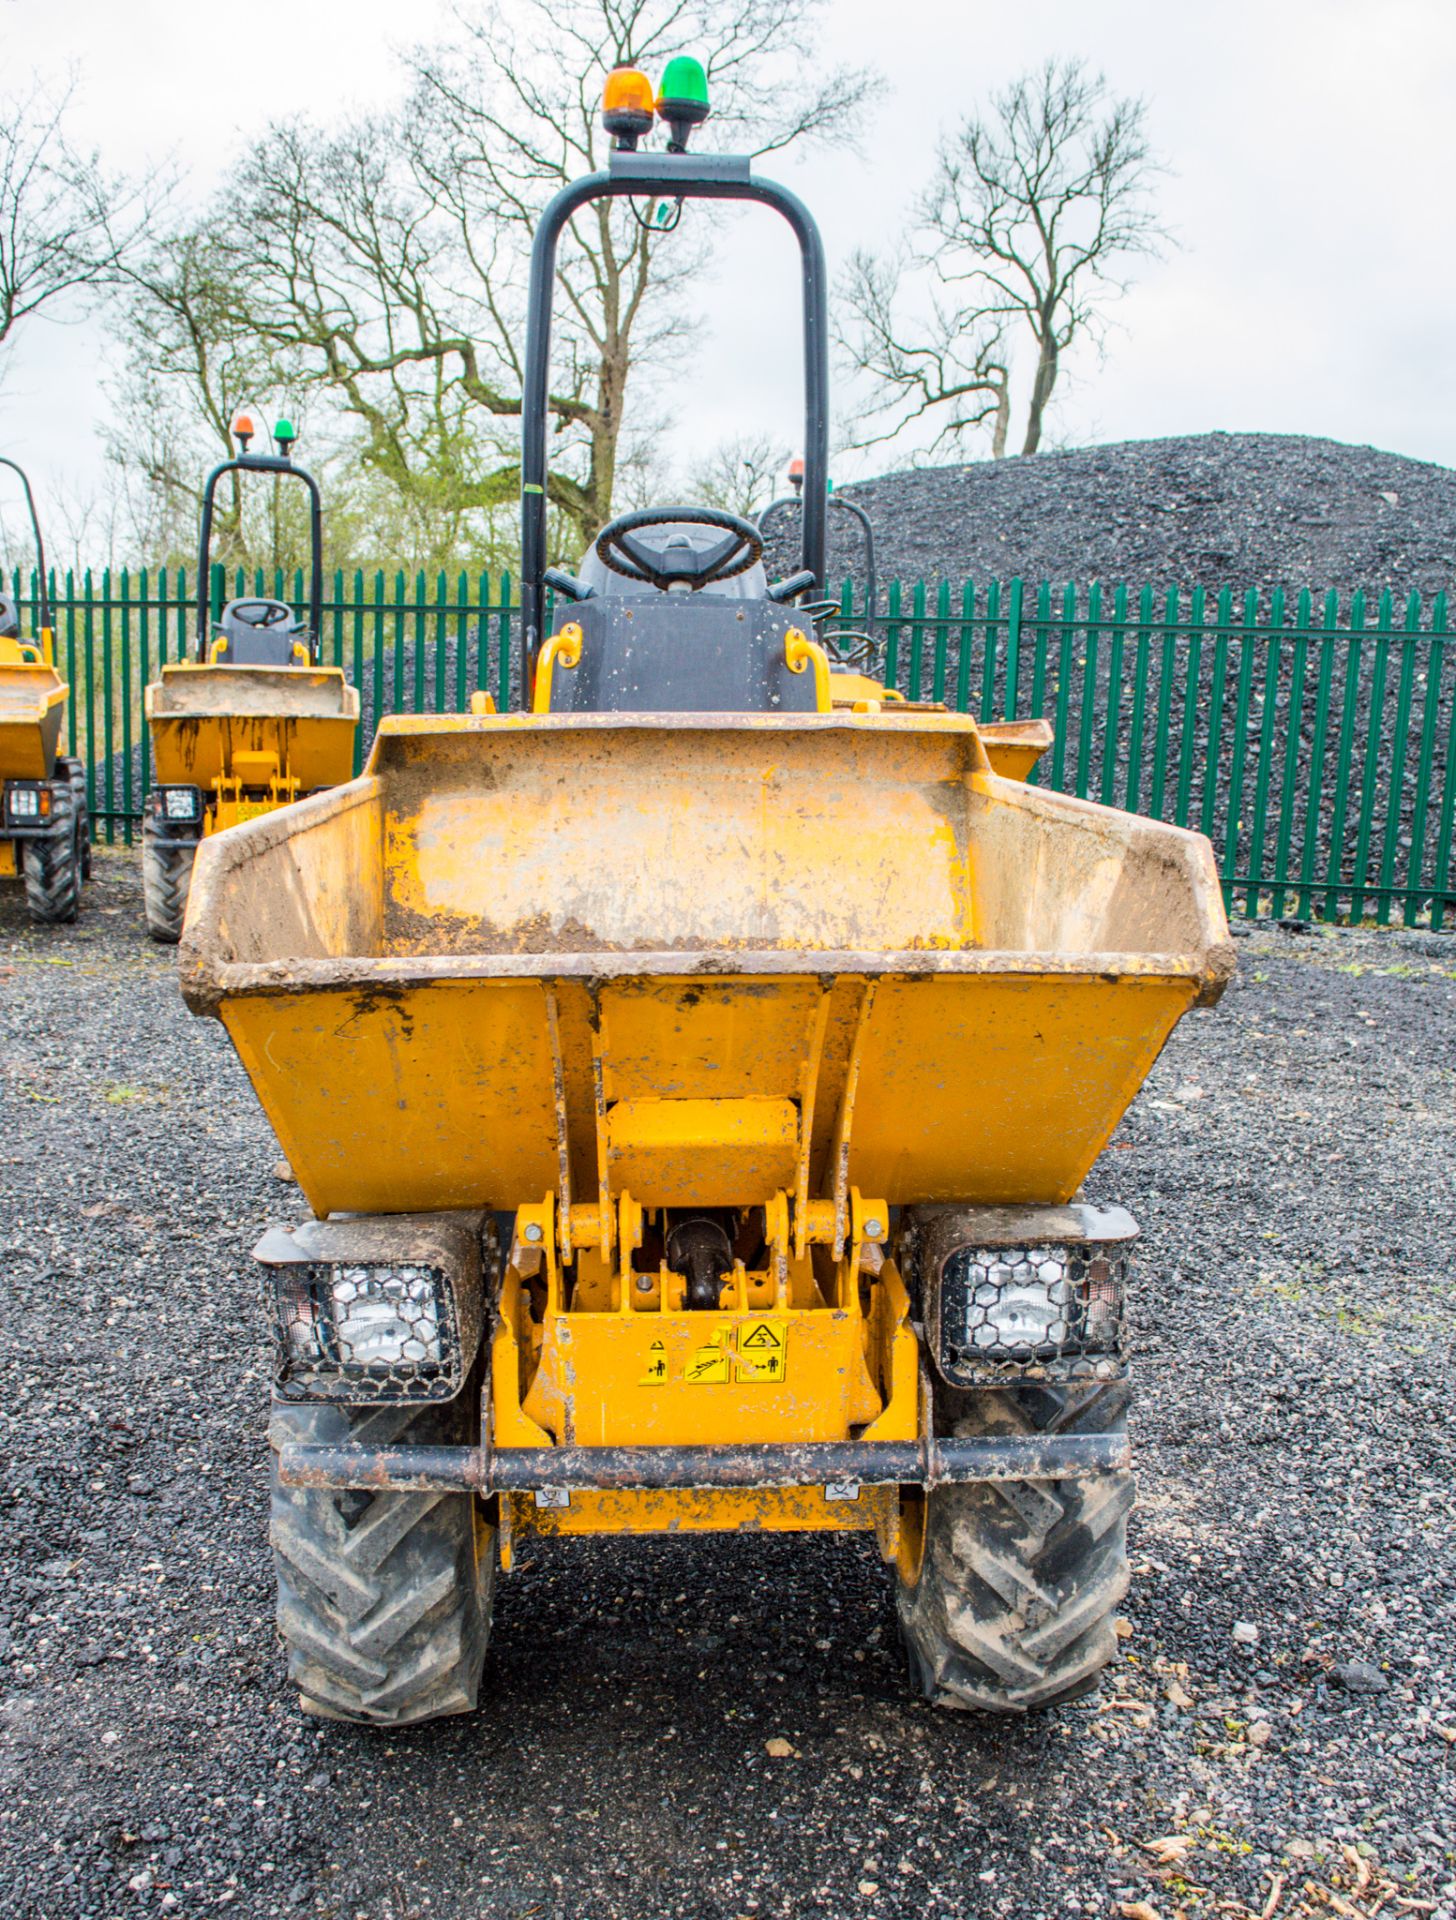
627	107
682	100
284	435
243	430
796	473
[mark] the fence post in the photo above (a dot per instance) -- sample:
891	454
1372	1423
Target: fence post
990	649
1430	708
504	650
1394	785
1370	764
126	739
1192	681
1442	879
917	639
1011	684
942	640
1142	663
1064	685
1348	704
1273	658
1293	734
1089	689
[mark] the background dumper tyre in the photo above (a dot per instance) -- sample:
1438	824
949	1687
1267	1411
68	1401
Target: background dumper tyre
75	772
166	881
53	865
1013	1605
384	1599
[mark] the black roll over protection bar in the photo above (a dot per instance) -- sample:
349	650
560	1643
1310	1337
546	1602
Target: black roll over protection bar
676	176
264	463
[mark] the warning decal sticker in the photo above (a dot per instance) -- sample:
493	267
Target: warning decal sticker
763	1350
654	1371
708	1366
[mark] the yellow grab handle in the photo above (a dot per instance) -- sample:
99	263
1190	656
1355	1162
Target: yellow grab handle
800	652
565	647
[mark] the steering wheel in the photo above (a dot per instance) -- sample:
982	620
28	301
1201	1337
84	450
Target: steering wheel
855	649
262	614
618	548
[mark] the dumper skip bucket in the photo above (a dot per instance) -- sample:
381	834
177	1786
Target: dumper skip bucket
704	957
32	707
204	719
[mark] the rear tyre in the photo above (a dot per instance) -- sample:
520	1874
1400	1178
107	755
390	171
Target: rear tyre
384	1599
1011	1607
166	882
53	865
73	771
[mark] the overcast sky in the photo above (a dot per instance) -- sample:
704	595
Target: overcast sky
1311	142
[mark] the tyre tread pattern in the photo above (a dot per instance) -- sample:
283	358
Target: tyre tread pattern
1013	1608
166	882
384	1604
53	865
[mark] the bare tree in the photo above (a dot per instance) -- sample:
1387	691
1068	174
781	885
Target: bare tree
188	363
1034	214
63	224
741	475
386	263
958	375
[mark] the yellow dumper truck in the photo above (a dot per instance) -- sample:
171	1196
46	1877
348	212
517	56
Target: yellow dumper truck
692	1080
249	724
45	829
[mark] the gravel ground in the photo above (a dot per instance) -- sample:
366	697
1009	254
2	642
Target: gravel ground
702	1728
1215	509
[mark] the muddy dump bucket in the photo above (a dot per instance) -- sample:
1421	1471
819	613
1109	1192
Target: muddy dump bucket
32	706
698	958
206	720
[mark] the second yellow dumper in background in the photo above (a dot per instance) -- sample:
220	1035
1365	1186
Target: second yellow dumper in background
249	725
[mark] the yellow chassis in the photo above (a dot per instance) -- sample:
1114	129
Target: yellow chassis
813	1347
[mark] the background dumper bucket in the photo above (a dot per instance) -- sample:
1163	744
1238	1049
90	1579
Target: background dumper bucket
667	948
32	706
205	720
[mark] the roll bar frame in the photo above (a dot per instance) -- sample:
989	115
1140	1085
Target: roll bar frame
264	463
44	593
710	176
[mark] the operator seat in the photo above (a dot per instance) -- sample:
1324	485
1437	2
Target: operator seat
718	648
259	633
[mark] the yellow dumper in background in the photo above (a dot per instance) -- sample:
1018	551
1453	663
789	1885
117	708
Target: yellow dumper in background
250	724
692	1080
45	830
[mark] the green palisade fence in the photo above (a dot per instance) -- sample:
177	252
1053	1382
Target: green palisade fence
1313	739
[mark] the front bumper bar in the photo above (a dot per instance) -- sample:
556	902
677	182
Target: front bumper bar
869	1463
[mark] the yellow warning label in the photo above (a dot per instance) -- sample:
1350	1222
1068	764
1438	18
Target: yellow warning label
708	1366
654	1372
763	1350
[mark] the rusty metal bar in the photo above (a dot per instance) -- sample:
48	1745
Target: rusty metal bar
870	1463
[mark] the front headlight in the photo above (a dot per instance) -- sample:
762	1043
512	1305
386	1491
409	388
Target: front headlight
363	1326
1049	1308
1017	1304
26	804
386	1316
181	803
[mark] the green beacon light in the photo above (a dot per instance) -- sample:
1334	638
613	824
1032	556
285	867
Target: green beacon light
682	100
284	435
